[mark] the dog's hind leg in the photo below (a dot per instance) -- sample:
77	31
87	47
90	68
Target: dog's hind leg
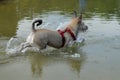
23	46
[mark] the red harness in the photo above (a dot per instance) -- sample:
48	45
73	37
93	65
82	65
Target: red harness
63	37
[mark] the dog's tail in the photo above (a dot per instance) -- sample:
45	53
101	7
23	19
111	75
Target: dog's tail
39	22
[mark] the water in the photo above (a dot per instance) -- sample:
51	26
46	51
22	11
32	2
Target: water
95	59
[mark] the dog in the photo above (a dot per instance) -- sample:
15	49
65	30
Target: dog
41	38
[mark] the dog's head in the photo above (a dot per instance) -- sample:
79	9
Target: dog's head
77	22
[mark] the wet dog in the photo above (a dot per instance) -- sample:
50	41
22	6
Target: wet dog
41	38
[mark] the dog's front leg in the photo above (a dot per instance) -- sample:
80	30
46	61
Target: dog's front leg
78	40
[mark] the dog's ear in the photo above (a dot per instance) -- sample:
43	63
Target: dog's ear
74	14
80	17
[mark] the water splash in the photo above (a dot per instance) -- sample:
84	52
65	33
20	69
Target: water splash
75	55
12	45
62	26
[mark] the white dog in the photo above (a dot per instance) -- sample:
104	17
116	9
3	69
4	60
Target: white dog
57	39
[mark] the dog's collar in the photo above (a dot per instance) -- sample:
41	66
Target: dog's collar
63	37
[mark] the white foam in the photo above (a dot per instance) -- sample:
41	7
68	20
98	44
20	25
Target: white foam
75	55
12	46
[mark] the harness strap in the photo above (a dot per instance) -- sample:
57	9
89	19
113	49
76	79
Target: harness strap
63	37
71	33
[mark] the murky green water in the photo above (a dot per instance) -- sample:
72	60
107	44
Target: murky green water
99	55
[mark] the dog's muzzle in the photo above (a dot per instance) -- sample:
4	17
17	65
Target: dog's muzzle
85	28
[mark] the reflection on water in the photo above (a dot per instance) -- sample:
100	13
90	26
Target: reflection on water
41	63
